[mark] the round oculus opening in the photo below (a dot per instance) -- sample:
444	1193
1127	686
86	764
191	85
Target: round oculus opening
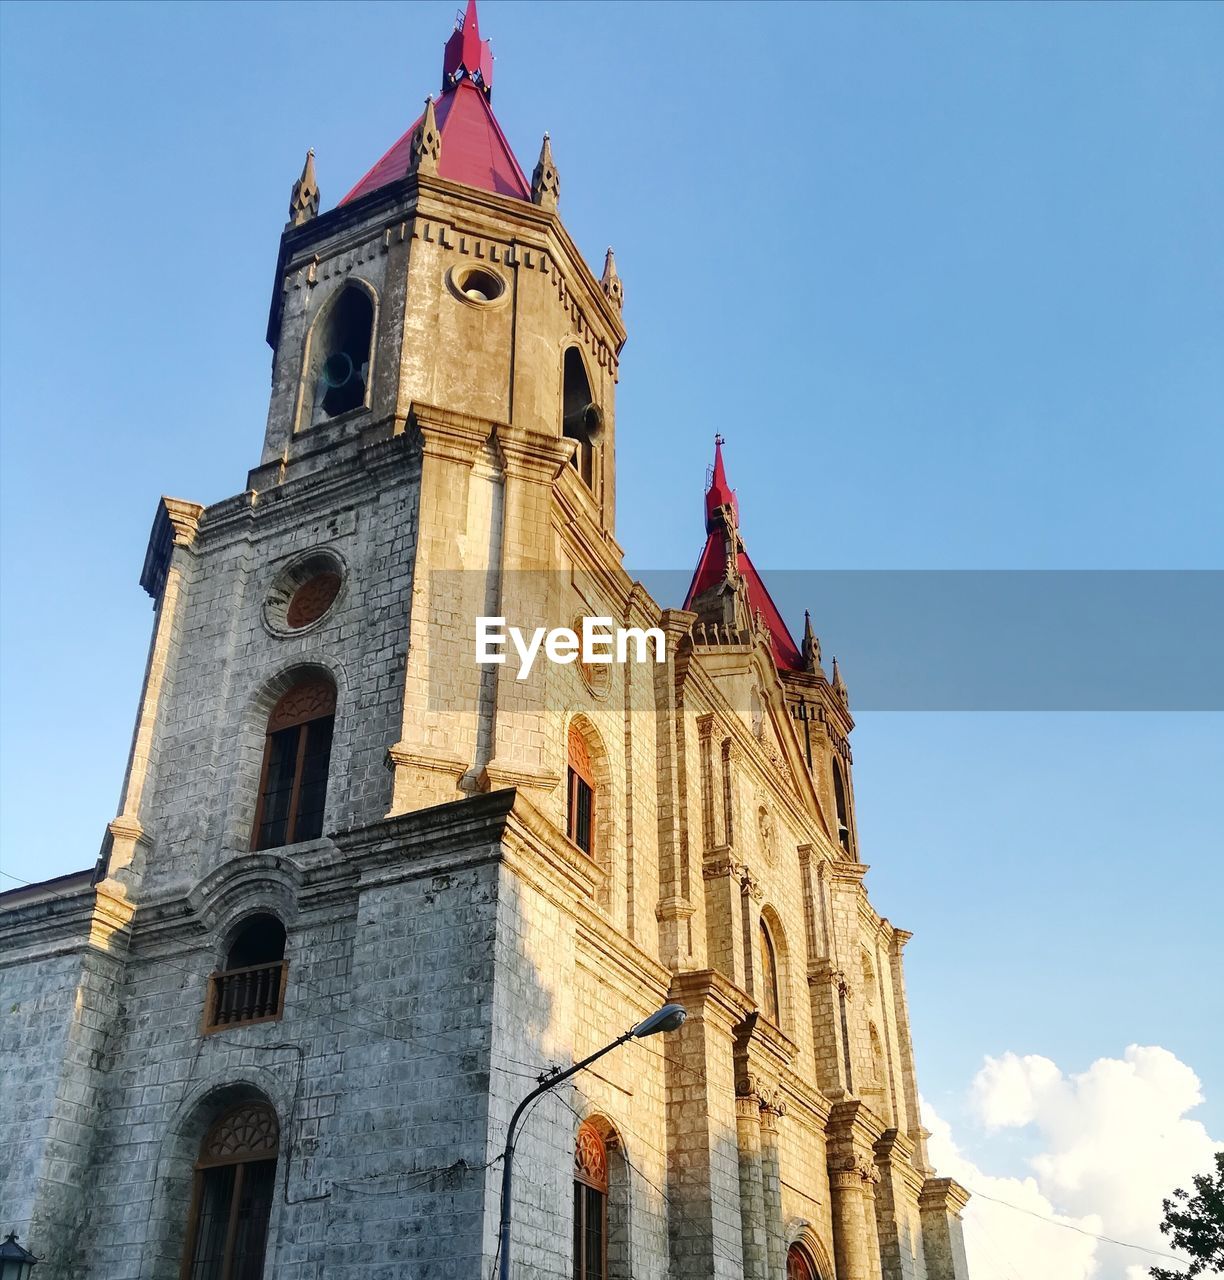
312	600
304	593
480	285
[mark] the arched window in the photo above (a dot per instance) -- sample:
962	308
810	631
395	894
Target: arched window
580	796
799	1266
581	417
251	987
769	977
231	1198
839	799
590	1205
340	355
297	751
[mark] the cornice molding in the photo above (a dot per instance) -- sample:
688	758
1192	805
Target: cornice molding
707	993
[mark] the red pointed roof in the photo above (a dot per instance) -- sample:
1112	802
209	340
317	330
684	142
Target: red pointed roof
712	566
474	149
719	493
467	54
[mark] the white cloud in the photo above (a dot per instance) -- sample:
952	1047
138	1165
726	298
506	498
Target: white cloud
1004	1242
1114	1141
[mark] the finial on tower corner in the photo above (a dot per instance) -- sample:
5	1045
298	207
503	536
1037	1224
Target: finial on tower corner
811	647
426	142
304	199
545	184
839	685
610	281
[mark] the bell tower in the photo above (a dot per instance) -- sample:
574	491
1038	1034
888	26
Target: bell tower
444	278
443	300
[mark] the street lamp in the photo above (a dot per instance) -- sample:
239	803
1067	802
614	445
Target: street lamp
16	1263
668	1018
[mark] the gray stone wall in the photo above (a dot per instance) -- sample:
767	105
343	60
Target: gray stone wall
231	666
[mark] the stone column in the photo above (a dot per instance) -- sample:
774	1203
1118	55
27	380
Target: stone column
871	1180
852	1132
752	1188
772	1109
943	1242
850	1224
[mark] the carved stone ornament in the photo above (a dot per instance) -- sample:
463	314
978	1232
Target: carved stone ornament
545	183
426	142
862	1166
773	1103
305	701
246	1133
610	281
304	199
765	828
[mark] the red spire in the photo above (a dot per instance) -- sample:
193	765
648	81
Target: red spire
718	492
467	56
474	150
712	568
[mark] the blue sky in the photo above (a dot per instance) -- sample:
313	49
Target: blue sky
947	277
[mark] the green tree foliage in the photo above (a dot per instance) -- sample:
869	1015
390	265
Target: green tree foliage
1195	1225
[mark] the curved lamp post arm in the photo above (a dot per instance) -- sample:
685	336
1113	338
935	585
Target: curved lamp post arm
668	1018
508	1155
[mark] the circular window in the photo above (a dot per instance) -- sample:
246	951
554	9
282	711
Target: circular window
477	284
312	600
304	593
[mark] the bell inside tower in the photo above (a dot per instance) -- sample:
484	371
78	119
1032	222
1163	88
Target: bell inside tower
340	366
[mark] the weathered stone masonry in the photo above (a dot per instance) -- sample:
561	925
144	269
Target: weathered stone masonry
446	937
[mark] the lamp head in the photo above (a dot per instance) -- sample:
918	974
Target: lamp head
16	1263
669	1018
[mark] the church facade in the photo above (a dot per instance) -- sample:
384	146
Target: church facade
362	890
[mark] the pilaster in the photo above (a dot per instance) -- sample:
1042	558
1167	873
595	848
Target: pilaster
441	680
943	1242
905	1048
762	1058
773	1108
675	909
165	574
707	1228
896	1203
752	1186
522	734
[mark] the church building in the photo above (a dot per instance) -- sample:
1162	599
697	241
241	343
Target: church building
363	891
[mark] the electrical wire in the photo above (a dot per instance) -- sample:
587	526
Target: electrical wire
1069	1226
538	1072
